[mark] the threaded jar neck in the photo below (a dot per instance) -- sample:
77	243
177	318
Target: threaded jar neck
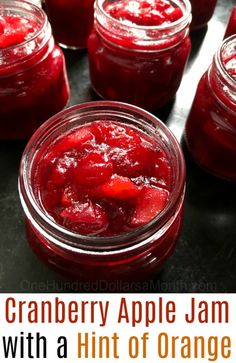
142	37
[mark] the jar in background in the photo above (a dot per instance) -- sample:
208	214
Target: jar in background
231	27
71	21
202	12
211	125
33	80
132	256
142	65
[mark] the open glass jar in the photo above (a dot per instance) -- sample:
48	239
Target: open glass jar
142	65
202	12
33	80
211	125
134	255
71	20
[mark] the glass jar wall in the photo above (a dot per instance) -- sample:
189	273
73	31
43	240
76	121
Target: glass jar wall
33	79
136	63
211	127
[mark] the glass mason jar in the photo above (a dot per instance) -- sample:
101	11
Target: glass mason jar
231	27
131	256
71	20
211	125
202	12
142	65
33	80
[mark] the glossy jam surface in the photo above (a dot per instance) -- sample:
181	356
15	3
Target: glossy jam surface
15	30
134	69
33	82
231	27
202	12
104	179
71	21
211	126
144	12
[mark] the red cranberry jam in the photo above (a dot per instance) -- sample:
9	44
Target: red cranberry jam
138	50
231	27
202	11
211	126
15	30
33	81
71	20
104	179
145	12
103	193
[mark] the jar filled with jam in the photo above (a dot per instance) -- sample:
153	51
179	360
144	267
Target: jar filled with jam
211	125
102	186
33	79
138	50
202	11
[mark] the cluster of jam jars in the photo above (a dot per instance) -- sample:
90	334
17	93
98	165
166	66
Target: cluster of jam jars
33	80
102	184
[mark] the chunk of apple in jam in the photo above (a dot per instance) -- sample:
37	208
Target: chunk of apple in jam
104	179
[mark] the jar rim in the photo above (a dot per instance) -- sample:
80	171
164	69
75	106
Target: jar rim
157	38
25	5
28	199
183	19
219	61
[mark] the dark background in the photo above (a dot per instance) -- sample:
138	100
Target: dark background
205	257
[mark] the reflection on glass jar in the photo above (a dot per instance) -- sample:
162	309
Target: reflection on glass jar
211	125
33	80
139	60
95	208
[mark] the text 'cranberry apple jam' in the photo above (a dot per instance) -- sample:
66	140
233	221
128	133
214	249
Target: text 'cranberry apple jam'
138	50
33	81
211	125
72	21
103	193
